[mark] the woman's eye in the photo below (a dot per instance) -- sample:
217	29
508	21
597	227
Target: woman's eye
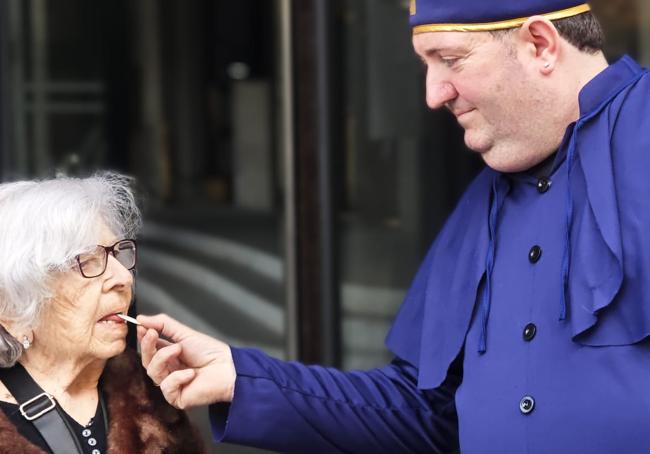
88	260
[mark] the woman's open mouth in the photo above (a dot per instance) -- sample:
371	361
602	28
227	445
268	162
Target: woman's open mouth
112	319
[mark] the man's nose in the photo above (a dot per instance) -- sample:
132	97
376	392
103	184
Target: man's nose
439	91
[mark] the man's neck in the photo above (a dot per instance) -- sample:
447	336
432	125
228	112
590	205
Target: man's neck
584	68
544	168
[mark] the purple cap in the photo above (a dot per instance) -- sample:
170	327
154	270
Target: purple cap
486	15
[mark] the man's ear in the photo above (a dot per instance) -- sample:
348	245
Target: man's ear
542	43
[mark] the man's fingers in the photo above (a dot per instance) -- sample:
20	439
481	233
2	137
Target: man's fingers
140	331
161	363
148	346
162	343
172	387
152	321
166	326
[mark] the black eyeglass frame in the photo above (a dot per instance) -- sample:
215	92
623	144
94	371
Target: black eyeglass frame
110	250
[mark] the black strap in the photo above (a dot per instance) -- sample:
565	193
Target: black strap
51	423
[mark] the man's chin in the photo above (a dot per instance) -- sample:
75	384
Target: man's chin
477	144
496	157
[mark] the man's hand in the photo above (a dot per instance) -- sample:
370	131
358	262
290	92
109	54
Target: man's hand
191	368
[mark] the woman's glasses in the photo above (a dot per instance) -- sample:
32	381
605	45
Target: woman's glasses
93	263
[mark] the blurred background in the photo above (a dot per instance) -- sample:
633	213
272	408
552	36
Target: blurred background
290	174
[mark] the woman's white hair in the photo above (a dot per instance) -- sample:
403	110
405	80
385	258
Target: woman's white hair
44	225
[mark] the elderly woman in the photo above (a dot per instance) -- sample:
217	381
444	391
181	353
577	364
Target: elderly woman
68	382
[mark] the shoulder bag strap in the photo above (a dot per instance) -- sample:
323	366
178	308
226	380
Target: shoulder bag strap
41	410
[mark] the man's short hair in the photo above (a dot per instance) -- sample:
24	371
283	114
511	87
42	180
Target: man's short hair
582	31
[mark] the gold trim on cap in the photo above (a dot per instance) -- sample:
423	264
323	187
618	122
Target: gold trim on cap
412	8
500	25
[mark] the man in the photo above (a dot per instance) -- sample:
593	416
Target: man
525	328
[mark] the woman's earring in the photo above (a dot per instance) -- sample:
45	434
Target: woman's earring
26	343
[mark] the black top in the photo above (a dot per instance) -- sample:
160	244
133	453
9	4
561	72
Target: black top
92	437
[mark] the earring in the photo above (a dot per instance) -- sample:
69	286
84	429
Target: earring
547	65
26	343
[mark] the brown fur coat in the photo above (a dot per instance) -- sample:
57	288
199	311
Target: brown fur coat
139	418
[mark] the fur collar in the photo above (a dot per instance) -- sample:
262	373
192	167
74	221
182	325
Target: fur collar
139	419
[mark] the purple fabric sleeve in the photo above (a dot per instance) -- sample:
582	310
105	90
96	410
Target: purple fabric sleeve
293	408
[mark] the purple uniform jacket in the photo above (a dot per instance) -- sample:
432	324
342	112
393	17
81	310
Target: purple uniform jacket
525	329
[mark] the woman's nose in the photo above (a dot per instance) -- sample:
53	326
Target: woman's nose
118	272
